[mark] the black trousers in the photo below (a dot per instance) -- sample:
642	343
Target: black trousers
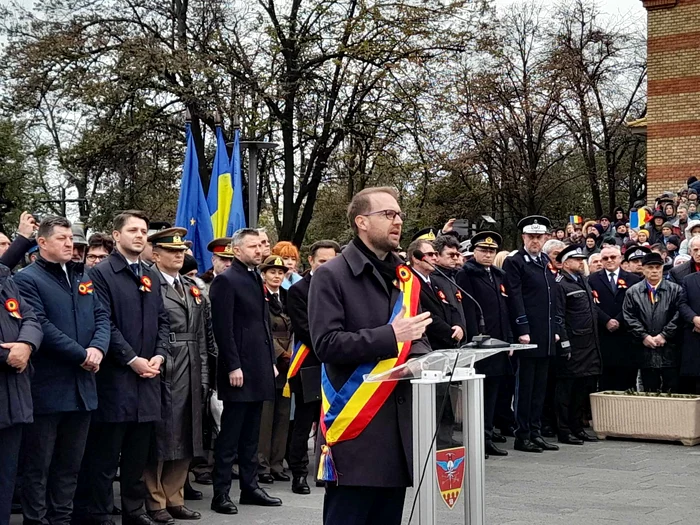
105	443
530	391
660	379
689	385
570	398
305	415
240	430
504	416
492	387
363	505
549	413
618	378
10	442
54	446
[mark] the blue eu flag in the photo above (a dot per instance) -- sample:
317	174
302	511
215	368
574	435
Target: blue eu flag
192	209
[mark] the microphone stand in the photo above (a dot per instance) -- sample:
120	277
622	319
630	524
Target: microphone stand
482	340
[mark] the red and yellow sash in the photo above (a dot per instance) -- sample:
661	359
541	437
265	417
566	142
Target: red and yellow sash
298	355
347	412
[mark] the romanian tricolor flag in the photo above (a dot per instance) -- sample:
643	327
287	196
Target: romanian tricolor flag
298	355
575	219
638	218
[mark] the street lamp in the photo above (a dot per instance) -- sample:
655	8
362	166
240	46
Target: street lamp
253	146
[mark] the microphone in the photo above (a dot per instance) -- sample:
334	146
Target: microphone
482	340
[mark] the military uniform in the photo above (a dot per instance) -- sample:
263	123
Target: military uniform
579	359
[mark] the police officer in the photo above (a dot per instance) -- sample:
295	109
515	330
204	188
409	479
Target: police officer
634	257
535	319
579	360
486	283
184	384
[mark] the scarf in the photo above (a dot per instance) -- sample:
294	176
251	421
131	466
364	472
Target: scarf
386	268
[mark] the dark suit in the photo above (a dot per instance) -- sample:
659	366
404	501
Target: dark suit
620	362
64	394
240	319
690	350
350	305
533	309
306	411
681	271
128	404
15	390
488	288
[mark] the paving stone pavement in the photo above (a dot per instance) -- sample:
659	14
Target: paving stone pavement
611	482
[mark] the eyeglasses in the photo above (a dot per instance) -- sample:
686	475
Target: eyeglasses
389	214
453	255
610	258
92	257
430	254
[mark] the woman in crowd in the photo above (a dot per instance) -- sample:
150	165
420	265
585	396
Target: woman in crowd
274	426
290	255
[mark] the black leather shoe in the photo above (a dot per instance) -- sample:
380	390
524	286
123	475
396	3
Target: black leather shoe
525	445
585	436
300	486
222	504
498	438
544	445
570	439
183	513
192	494
548	432
266	478
493	450
259	497
204	479
321	484
162	516
141	519
280	476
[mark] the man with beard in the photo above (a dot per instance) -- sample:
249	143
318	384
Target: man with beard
128	385
486	283
364	313
578	362
304	377
246	371
609	287
536	319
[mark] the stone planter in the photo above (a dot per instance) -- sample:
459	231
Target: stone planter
645	417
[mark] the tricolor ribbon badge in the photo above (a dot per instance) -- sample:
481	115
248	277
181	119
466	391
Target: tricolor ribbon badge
595	297
197	294
145	284
12	306
85	288
403	273
458	295
503	291
441	295
621	283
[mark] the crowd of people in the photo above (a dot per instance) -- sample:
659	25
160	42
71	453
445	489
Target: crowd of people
121	360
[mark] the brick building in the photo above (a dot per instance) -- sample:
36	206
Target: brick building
673	98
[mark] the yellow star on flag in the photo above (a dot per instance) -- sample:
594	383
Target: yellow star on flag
192	221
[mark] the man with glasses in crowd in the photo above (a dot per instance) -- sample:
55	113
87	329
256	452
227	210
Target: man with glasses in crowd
100	245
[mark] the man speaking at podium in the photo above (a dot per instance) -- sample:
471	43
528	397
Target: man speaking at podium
364	318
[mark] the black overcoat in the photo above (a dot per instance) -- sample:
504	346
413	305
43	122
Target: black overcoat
349	310
580	339
454	296
433	299
15	388
690	307
298	311
532	303
617	348
491	296
240	319
72	320
681	271
139	328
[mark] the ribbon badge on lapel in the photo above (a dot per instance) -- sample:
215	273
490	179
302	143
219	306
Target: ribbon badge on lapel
596	299
85	288
458	295
621	283
503	291
197	294
146	284
441	295
12	306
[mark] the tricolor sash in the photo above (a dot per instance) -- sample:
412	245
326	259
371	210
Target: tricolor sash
298	355
347	412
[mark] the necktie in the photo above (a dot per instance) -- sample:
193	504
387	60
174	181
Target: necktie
135	268
178	288
488	272
613	284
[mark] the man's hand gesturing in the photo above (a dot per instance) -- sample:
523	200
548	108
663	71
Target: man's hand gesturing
410	328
